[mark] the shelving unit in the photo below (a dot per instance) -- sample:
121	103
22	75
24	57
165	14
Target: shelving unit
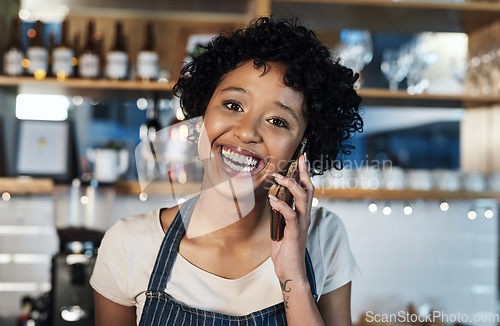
102	87
87	87
385	194
392	16
376	15
163	188
22	186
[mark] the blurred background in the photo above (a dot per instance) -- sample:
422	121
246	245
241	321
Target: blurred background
86	87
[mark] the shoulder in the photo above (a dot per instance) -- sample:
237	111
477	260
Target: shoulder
330	252
133	235
323	218
326	228
327	233
126	256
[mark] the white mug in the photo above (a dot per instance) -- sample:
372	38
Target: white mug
109	164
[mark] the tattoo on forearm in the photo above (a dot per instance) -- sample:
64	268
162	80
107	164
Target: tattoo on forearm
285	288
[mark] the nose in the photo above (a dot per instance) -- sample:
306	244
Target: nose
247	131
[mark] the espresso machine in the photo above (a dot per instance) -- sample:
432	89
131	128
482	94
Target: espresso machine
72	298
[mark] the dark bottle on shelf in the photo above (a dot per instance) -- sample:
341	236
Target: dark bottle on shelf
50	51
117	57
148	162
152	124
37	54
62	56
147	59
14	55
89	61
76	54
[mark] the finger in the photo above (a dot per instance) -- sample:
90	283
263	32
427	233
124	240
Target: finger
291	220
303	201
304	178
308	186
293	186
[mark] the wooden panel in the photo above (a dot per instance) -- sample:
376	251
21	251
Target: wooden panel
474	141
384	194
495	138
163	6
25	185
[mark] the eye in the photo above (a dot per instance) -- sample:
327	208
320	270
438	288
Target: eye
233	105
278	122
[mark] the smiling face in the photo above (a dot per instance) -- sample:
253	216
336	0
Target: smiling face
252	125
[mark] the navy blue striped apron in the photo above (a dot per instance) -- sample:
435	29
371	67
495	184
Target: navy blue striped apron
162	309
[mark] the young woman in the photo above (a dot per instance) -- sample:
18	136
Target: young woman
259	93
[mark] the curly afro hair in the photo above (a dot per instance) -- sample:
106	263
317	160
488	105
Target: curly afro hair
327	86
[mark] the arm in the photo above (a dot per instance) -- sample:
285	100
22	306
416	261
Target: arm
335	306
109	313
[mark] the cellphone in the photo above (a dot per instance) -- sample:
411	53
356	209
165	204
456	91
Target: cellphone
281	192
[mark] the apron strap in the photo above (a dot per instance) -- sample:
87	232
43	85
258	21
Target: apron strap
169	247
310	276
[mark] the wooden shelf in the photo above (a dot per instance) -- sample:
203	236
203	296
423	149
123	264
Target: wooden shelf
384	194
390	16
379	97
163	188
134	89
26	185
87	87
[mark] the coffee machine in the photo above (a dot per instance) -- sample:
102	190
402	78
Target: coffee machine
72	298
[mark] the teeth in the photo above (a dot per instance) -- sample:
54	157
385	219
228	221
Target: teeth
230	158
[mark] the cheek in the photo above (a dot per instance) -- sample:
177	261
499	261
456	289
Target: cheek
212	128
282	153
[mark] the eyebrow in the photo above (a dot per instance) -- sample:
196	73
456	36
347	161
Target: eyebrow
235	89
277	103
288	109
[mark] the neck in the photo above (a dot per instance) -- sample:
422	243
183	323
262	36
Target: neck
223	215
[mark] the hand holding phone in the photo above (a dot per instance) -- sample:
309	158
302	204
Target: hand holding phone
282	192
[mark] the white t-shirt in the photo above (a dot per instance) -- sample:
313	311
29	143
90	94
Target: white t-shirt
129	249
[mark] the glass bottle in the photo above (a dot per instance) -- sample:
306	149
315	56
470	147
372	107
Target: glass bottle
13	56
147	59
62	57
117	57
76	54
89	62
37	54
152	124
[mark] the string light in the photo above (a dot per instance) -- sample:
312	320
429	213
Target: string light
444	206
387	210
407	210
488	213
143	196
472	215
84	200
6	196
372	207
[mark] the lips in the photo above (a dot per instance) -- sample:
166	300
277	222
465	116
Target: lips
238	161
